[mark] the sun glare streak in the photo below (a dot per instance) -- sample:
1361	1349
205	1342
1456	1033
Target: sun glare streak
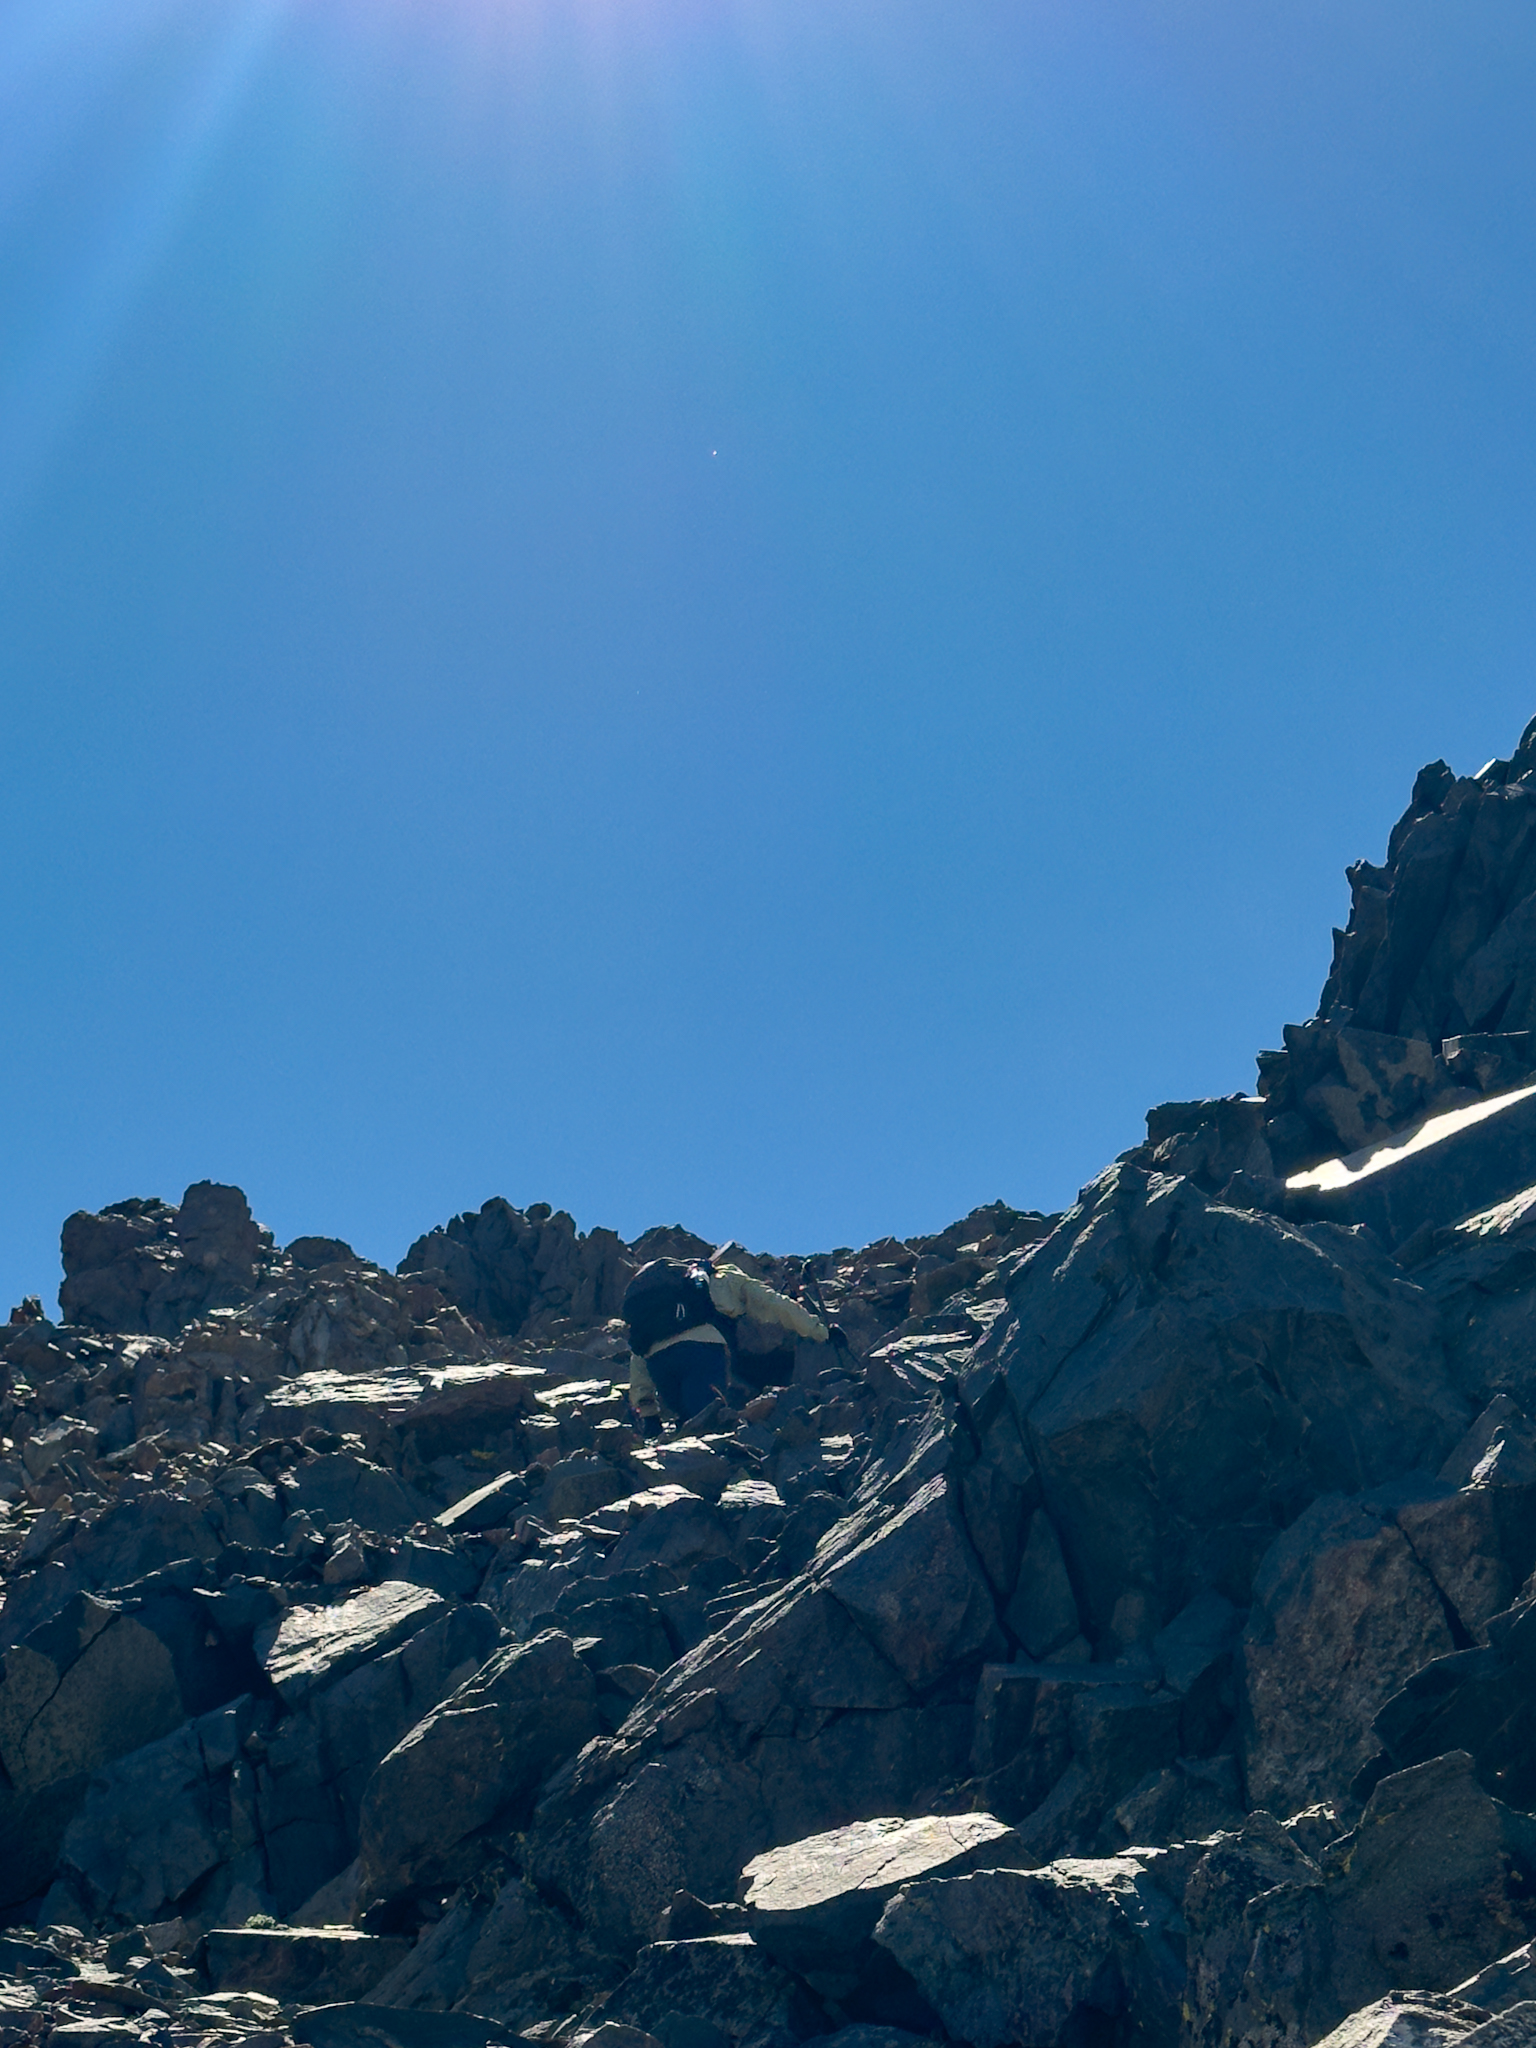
54	370
56	67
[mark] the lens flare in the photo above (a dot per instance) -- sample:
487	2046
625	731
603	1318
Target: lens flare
49	371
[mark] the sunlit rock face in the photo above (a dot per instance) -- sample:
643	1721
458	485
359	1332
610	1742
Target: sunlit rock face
1127	1637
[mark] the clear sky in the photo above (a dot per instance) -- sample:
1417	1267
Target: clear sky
769	613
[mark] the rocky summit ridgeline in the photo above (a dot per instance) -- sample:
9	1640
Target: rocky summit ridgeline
1134	1640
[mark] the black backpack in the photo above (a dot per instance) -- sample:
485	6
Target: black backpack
664	1299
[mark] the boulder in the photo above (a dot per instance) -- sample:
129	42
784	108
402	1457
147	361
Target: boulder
311	1647
341	1487
1437	1881
476	1760
1076	1951
624	1628
916	1587
1189	1375
362	1715
505	1955
1034	1723
1343	1614
1187	1801
723	1979
1482	1701
576	1486
1449	1165
1043	1610
787	1722
1514	2027
813	1905
1258	1948
89	1685
155	1823
491	1506
684	1461
378	2026
299	1964
1509	1981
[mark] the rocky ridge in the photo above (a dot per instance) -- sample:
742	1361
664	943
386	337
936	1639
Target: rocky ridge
1134	1639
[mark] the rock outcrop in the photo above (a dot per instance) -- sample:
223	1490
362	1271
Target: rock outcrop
1132	1638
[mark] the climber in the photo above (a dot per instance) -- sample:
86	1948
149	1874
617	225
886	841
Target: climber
682	1320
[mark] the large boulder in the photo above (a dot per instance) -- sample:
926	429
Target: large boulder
1343	1614
505	1955
1099	1727
86	1686
915	1587
310	1647
299	1964
1448	1166
1481	1701
158	1822
1437	1881
812	1904
1409	2019
724	1981
1258	1948
474	1761
1049	1957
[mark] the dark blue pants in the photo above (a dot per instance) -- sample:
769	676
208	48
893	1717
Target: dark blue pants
689	1375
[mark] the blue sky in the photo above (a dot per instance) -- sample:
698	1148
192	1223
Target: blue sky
770	615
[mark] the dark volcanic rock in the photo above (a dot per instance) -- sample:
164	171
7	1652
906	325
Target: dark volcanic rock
1259	1951
1045	1956
309	1964
1437	1881
1482	1701
477	1759
1343	1613
724	1981
814	1903
379	2026
83	1688
1189	1376
314	1646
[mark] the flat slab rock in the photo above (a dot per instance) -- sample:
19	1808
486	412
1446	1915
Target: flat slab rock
817	1899
312	1646
382	2026
299	1962
685	1461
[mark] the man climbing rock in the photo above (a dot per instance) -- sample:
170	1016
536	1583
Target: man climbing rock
682	1320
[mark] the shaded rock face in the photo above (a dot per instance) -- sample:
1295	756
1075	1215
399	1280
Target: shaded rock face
1132	1638
141	1266
507	1268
